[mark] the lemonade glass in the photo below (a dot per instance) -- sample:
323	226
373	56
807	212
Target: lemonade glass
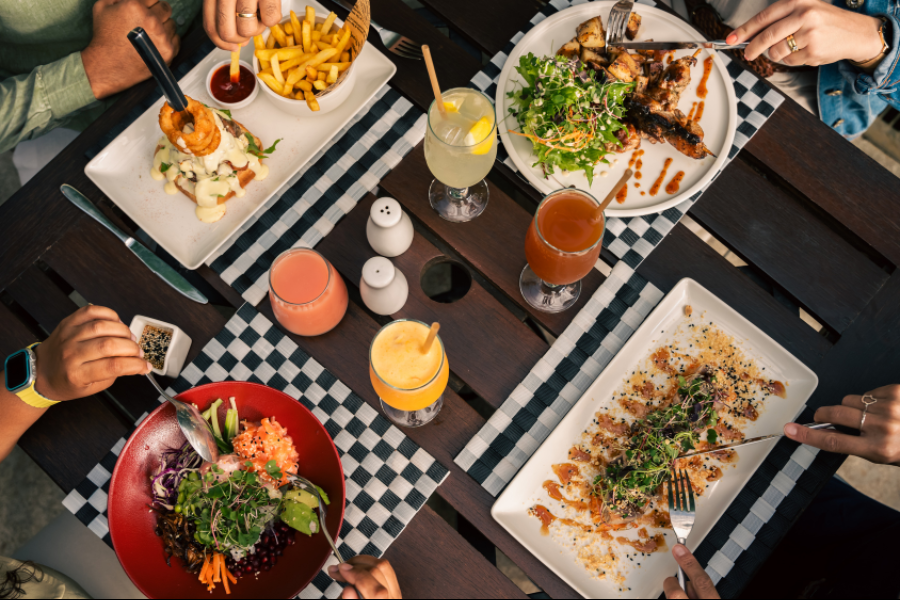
411	390
460	149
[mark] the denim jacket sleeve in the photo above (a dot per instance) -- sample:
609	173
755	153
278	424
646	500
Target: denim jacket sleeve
885	80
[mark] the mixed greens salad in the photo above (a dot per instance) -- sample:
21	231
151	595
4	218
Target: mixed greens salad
631	481
569	116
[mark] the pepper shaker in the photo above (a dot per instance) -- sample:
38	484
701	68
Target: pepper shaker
389	229
383	287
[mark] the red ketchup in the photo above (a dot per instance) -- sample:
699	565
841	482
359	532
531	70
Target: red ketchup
227	92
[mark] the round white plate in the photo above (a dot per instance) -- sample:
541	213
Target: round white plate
719	117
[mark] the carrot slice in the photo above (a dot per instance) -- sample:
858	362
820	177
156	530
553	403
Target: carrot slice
230	577
204	569
225	575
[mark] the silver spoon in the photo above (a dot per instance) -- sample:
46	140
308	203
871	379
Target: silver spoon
193	426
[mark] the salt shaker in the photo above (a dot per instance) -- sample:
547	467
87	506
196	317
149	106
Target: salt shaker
383	287
390	230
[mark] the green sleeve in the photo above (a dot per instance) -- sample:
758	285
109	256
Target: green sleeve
32	104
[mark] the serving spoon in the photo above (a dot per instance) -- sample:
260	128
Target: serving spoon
192	425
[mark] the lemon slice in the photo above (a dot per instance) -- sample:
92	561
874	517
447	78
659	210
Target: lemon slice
450	106
482	132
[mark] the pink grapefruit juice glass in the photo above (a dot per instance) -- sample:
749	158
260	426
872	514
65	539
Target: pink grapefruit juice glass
308	296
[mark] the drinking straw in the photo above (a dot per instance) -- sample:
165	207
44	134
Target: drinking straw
429	63
430	339
598	214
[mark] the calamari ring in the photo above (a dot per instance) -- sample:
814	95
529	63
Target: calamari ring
204	138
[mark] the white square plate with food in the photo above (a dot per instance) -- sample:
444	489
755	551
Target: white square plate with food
665	326
719	116
122	169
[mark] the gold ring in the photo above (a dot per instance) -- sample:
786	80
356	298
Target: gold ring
246	15
792	44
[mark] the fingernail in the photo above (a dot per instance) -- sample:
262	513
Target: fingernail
345	567
679	550
133	338
141	354
791	429
731	39
332	570
149	367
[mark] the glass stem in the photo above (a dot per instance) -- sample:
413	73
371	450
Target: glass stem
458	194
550	289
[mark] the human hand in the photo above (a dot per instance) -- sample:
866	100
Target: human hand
699	586
879	440
229	31
824	33
110	61
85	354
372	577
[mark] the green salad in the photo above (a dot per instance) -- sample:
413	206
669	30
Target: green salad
569	116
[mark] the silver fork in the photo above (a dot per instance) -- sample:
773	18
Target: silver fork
618	22
681	511
400	45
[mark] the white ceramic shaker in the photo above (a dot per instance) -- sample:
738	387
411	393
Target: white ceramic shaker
389	229
383	287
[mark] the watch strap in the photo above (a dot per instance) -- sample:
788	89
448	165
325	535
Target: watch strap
885	48
30	395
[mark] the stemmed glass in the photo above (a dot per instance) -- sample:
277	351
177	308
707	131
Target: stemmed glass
562	245
460	149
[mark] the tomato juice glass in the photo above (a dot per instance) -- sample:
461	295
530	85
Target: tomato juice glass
409	382
562	245
308	296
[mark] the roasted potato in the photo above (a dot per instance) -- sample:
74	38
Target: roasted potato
589	56
634	25
590	33
570	50
624	67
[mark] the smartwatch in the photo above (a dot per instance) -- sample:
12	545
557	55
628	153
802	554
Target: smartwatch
21	373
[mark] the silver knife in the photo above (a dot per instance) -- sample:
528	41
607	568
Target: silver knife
755	440
153	262
713	45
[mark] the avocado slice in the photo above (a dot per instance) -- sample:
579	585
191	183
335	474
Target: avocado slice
300	516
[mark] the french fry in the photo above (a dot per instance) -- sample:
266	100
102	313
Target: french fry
341	67
329	21
280	37
288	29
316	36
345	57
270	43
321	77
293	62
290	40
288	88
282	54
276	69
297	26
312	73
270	81
295	76
311	15
258	42
332	75
267	71
311	101
307	37
342	45
328	39
320	85
322	45
323	56
304	86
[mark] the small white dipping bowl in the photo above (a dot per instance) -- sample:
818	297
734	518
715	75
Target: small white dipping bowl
327	103
234	105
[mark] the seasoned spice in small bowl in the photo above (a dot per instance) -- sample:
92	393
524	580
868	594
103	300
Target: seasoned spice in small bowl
155	343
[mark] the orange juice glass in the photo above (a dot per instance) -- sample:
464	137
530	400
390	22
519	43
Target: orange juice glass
410	382
308	296
562	245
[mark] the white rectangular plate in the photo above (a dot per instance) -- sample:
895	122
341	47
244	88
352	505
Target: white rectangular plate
660	327
122	169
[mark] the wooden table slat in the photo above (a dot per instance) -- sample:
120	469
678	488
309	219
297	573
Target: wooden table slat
777	233
488	25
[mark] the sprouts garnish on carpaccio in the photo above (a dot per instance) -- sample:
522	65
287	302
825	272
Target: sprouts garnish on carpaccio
232	518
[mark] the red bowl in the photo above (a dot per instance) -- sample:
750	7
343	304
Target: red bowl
132	524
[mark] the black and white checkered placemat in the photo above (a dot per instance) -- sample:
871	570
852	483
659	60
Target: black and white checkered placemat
388	476
633	239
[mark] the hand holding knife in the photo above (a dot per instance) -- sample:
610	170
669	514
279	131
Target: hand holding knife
711	45
755	440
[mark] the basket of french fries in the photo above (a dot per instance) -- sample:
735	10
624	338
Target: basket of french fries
305	62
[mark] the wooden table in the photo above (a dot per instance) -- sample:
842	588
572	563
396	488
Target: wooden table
813	217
